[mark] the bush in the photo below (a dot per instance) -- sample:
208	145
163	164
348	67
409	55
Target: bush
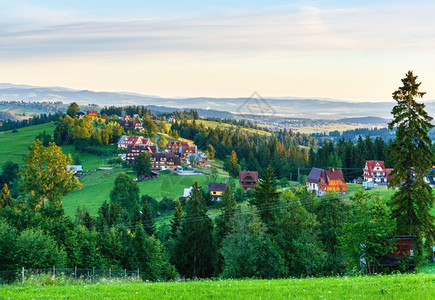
35	250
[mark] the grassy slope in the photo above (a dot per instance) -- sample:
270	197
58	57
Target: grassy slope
213	125
97	187
419	286
14	145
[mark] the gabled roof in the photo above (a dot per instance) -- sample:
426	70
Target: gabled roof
177	143
248	176
169	157
314	175
372	164
334	175
219	187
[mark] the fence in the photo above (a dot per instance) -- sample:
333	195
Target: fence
86	275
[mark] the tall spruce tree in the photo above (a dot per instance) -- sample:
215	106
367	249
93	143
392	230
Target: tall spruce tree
266	195
223	224
176	221
195	242
413	158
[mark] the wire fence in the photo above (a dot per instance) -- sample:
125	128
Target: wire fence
77	274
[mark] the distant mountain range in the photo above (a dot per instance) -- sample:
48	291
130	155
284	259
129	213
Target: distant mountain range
279	107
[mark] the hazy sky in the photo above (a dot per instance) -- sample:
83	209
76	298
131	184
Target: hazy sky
350	50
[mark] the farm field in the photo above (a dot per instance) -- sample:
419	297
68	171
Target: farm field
408	286
326	128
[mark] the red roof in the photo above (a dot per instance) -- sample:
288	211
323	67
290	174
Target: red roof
248	176
177	143
334	175
371	164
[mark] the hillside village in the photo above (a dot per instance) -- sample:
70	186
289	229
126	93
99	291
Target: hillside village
142	174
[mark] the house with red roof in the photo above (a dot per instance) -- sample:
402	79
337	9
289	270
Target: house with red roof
182	149
92	113
248	179
375	173
319	181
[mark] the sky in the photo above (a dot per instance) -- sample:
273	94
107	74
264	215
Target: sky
349	50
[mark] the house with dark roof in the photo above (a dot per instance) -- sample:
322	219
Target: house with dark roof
164	161
133	151
248	179
217	190
320	181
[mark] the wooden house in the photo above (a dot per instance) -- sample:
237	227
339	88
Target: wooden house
92	114
320	181
217	190
164	161
248	179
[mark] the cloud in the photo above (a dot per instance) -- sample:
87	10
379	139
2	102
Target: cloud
284	31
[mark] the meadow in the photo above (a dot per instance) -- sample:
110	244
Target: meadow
213	124
97	186
407	286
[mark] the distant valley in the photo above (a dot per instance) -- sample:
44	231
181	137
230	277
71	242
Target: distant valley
370	113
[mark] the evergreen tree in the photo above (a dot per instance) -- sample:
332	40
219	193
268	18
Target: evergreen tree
125	192
223	223
142	165
151	257
147	219
266	195
176	221
195	244
413	158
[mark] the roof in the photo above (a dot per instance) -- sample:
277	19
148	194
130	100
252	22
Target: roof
168	156
217	187
314	175
92	112
142	148
334	175
248	176
177	143
371	164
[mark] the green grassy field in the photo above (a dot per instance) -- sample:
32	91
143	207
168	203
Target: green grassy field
213	125
14	145
97	187
421	286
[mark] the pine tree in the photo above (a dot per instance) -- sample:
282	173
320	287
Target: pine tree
147	219
266	195
195	243
223	223
413	158
176	221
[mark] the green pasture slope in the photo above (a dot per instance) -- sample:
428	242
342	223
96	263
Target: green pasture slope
97	187
421	286
14	145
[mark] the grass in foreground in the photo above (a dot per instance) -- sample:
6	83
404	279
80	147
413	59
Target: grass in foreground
419	286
